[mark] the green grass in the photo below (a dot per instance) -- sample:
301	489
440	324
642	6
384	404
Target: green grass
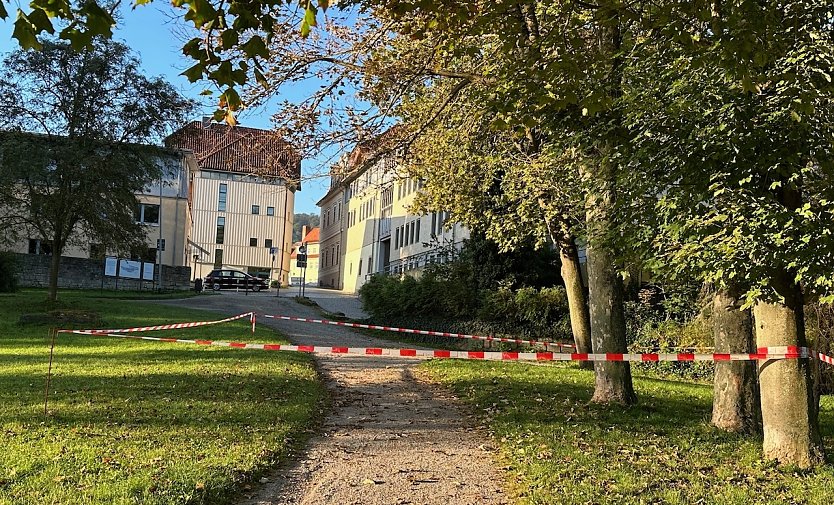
558	448
144	422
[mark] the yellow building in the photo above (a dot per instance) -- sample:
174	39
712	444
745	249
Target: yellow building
367	228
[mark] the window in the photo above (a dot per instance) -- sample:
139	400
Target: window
268	243
369	264
360	267
218	258
326	257
147	213
221	230
418	231
337	253
253	242
40	246
270	211
256	209
221	198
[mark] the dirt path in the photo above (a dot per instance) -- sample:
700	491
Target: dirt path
389	439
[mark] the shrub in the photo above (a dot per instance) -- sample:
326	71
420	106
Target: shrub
8	272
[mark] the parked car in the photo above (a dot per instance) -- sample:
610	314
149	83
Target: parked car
232	279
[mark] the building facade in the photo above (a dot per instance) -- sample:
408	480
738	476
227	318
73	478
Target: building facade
241	198
367	225
162	208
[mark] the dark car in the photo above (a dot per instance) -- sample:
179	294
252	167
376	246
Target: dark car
232	279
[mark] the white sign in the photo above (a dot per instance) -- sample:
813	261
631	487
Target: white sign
130	269
147	271
110	266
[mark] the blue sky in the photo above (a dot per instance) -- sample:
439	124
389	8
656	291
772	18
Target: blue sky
151	33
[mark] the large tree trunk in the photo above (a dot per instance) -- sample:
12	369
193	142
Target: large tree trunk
580	318
605	295
789	415
735	406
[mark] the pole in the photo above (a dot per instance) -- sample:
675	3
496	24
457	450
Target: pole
53	332
303	281
283	239
159	244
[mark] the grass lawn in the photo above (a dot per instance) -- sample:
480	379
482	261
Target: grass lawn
143	422
558	448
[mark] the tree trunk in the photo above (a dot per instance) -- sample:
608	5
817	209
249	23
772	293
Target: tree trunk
580	318
735	405
605	296
54	266
789	415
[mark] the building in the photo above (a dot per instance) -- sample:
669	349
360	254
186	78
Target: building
162	207
310	241
367	227
241	198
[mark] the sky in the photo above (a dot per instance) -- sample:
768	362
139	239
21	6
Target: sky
153	36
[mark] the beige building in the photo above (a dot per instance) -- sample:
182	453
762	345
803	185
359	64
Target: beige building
162	208
241	198
367	227
310	241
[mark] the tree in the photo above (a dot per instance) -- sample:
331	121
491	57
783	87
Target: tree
738	147
300	220
72	153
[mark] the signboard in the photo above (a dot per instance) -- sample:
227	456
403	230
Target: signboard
160	244
147	271
110	266
273	250
301	257
130	269
301	264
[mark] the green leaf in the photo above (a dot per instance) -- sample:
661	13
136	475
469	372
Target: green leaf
99	21
3	12
41	21
137	3
255	47
261	79
24	32
310	15
194	73
229	38
305	29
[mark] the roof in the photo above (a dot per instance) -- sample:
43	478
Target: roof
238	149
312	236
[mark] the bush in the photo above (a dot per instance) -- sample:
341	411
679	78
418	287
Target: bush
8	273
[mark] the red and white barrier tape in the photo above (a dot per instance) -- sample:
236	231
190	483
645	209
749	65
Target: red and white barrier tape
825	358
424	332
762	354
174	326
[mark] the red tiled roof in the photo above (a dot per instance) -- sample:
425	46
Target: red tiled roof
312	235
379	145
238	149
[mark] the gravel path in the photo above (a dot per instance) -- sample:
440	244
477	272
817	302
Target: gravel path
389	438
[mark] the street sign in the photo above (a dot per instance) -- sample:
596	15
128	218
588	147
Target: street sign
302	248
301	257
273	250
160	244
301	264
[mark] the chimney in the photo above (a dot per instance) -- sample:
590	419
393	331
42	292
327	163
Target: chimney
206	121
303	232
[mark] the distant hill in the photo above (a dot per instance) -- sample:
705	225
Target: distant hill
309	220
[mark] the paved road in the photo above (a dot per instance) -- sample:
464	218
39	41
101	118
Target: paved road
389	439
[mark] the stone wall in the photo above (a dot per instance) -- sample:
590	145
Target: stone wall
83	273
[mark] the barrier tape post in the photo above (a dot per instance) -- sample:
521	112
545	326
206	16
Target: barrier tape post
52	333
252	320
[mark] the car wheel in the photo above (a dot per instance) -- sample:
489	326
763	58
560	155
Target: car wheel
256	288
216	286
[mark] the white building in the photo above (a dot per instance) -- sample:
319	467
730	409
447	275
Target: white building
241	198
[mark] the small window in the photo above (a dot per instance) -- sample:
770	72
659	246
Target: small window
147	213
268	243
221	230
253	242
270	211
221	197
256	209
218	258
